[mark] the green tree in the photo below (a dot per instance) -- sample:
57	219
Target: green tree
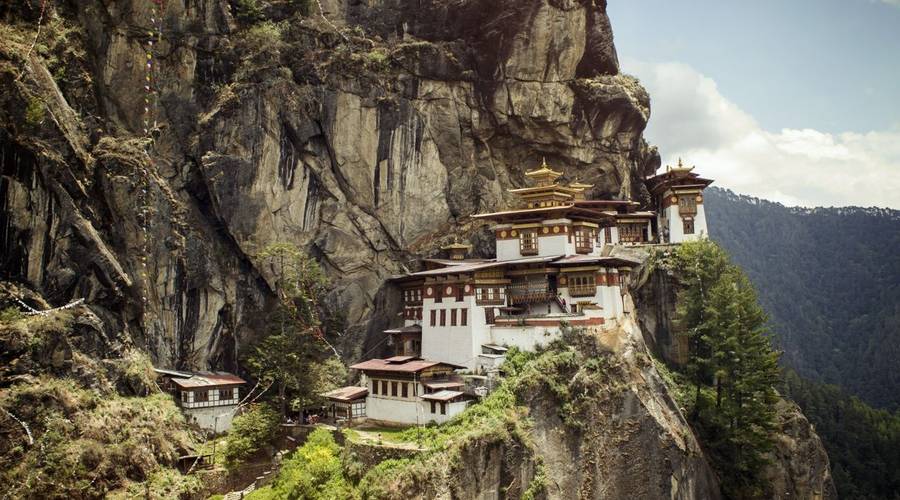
250	432
295	356
731	364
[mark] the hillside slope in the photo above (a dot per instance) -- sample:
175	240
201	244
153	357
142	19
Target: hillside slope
830	280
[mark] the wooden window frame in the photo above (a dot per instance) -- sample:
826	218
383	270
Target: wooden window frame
433	317
528	242
452	317
607	235
433	407
404	390
687	205
582	285
443	317
443	407
584	240
201	399
489	315
687	226
464	317
394	387
374	387
384	387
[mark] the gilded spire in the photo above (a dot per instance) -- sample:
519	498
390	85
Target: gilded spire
544	176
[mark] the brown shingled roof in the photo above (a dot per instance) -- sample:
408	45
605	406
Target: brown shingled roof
412	366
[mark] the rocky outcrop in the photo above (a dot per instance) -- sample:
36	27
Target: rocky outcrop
799	464
366	137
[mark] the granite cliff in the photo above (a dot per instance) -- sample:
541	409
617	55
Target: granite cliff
365	135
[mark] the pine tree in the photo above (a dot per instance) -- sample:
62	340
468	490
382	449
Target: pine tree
732	365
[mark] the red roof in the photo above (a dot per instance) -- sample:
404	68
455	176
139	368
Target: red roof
208	379
347	394
412	366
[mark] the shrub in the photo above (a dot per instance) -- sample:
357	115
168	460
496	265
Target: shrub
313	471
250	432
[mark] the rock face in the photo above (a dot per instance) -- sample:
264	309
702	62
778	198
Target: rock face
364	146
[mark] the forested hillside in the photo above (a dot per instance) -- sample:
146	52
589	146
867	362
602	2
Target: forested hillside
830	280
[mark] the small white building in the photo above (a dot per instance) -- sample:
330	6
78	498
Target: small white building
208	399
410	390
678	194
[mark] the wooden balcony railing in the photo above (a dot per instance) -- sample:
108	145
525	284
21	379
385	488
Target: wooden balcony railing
583	290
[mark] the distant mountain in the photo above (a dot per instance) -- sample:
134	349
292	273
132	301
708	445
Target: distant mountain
830	280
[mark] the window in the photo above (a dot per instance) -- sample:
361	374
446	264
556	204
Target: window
584	240
528	243
432	407
452	317
631	233
384	387
582	285
443	408
405	389
607	235
489	315
394	389
184	396
225	394
443	317
433	318
375	387
201	396
688	226
687	205
464	317
460	293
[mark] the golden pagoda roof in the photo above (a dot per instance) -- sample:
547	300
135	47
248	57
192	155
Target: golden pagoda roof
544	175
579	185
680	168
456	246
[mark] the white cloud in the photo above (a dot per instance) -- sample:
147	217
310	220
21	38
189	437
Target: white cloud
693	120
894	3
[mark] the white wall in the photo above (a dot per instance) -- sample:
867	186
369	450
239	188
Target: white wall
459	345
217	418
524	337
453	409
676	227
403	411
557	244
508	249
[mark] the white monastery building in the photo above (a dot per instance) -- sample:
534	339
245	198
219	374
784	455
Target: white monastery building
208	399
553	267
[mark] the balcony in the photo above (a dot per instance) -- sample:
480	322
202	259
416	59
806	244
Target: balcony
583	290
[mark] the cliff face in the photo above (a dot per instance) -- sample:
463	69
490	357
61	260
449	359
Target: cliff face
799	465
363	146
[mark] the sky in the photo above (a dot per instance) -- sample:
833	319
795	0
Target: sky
795	101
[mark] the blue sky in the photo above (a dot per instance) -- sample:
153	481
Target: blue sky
773	93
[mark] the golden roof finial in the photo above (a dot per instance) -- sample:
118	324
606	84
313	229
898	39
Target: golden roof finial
544	176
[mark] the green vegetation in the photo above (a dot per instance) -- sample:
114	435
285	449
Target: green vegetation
296	356
34	112
732	367
313	471
828	278
88	444
863	443
250	431
259	47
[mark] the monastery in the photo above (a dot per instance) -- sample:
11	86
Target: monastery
553	267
